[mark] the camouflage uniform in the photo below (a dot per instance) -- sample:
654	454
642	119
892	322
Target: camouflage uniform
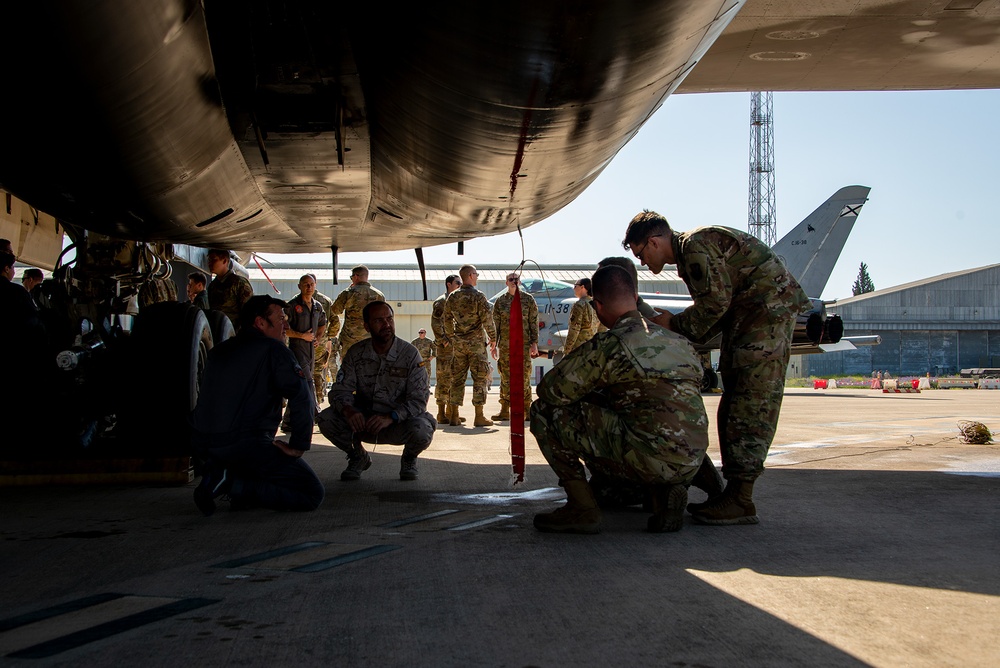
228	293
426	349
743	291
351	302
529	322
442	388
628	404
335	359
466	315
391	384
320	370
583	324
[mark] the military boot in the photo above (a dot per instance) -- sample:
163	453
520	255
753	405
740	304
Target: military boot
504	413
733	506
442	414
579	515
447	419
453	419
668	508
708	480
481	420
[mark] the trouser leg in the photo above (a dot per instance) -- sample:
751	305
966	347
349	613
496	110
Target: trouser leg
285	484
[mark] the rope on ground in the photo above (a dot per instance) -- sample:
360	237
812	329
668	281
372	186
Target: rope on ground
973	432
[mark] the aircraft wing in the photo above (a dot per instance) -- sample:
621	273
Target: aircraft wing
280	126
790	45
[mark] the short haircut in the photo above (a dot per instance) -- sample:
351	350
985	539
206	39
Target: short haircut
220	253
33	272
5	244
465	271
360	270
611	282
6	259
451	279
257	307
305	276
198	277
587	284
623	262
643	226
366	311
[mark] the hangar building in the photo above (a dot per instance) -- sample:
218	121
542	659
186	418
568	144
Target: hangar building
938	325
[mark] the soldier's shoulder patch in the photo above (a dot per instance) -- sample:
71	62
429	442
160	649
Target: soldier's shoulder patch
696	267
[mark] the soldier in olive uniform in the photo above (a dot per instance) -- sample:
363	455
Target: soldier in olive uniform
466	316
628	404
743	291
306	325
445	352
351	302
529	326
321	369
583	320
426	348
228	291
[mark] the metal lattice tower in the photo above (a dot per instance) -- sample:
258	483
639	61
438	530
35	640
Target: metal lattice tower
763	221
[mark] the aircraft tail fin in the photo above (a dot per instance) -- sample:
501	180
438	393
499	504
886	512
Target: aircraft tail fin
811	249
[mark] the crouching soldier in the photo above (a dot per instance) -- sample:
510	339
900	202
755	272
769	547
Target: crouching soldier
627	405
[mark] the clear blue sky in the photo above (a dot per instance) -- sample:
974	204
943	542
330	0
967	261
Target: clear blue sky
932	160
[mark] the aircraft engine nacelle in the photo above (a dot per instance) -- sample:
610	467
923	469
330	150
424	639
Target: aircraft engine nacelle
833	329
810	325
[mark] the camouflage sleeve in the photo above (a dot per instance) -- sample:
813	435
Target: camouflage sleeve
532	320
447	321
578	374
491	328
417	391
340	303
437	319
711	289
244	292
332	324
645	310
498	320
342	391
434	349
575	327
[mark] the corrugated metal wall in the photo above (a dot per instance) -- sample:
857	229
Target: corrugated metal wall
939	326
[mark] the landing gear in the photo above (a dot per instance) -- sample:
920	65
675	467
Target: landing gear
709	379
169	347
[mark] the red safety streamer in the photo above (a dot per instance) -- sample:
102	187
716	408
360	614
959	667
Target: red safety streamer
517	389
276	290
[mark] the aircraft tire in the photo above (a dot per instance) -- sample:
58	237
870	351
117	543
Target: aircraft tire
170	342
709	380
221	326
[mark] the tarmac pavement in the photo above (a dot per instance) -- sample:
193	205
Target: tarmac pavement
878	545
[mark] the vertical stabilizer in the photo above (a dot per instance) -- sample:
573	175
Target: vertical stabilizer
811	249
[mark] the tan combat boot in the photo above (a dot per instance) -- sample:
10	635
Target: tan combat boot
668	508
733	506
442	414
481	420
504	413
708	480
453	419
579	515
